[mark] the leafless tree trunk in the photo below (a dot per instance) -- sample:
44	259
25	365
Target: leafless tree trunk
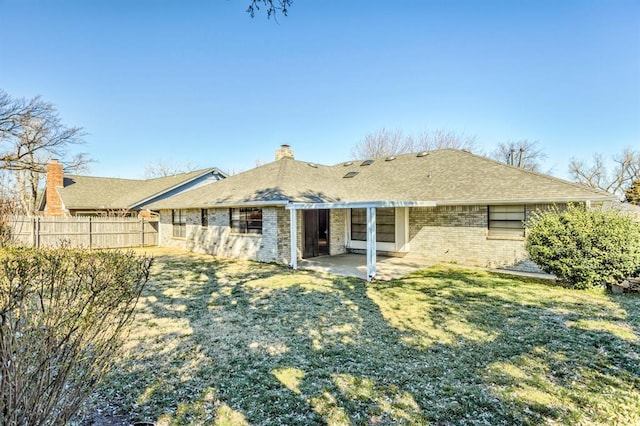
626	170
522	153
31	133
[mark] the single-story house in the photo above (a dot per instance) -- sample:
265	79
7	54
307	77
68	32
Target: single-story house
443	205
71	195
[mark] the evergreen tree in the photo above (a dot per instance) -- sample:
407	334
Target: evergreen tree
632	195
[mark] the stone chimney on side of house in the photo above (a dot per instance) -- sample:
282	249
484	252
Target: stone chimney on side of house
284	151
55	179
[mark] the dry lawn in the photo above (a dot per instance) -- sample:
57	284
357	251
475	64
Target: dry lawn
241	343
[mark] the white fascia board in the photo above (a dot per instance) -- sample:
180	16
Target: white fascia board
212	170
524	201
359	205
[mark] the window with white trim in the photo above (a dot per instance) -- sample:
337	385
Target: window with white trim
385	225
507	220
179	222
246	220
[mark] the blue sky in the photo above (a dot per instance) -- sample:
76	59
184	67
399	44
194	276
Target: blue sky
201	82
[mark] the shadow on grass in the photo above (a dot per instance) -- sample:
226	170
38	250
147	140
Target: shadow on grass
228	342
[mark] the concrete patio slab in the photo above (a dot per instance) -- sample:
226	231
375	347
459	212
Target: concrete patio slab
355	265
388	268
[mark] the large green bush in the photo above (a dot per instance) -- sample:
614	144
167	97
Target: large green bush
63	314
585	247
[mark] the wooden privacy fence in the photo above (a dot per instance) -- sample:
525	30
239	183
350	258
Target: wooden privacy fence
84	232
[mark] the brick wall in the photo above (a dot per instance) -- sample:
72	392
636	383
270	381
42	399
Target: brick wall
460	234
272	246
55	180
284	238
449	233
217	238
337	230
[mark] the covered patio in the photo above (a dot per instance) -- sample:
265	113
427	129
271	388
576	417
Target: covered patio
355	265
371	264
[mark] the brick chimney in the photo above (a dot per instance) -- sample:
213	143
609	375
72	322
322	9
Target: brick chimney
284	151
55	179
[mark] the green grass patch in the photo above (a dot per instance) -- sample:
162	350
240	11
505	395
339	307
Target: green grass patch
232	342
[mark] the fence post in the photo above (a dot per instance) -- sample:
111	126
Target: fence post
90	238
142	232
33	232
37	228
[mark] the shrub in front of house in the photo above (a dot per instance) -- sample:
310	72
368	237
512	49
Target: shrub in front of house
63	314
585	247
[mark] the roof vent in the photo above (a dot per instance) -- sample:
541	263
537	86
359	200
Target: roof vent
366	163
348	163
422	154
390	158
350	175
314	165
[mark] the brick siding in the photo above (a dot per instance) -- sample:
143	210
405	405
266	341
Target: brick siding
55	180
457	234
217	238
337	230
460	234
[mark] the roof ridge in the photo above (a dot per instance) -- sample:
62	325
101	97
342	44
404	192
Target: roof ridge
193	172
101	177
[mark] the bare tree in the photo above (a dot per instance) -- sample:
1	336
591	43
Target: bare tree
31	133
626	169
271	6
13	111
521	153
442	139
385	142
381	143
160	168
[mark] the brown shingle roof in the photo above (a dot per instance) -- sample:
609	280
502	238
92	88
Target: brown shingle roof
444	176
280	181
449	176
88	192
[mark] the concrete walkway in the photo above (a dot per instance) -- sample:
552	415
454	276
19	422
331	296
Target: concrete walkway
355	265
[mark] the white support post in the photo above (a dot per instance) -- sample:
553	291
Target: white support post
293	228
371	243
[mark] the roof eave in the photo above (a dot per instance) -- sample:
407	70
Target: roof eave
359	205
178	185
224	205
525	200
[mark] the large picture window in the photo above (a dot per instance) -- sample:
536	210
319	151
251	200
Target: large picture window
506	220
246	220
179	222
385	225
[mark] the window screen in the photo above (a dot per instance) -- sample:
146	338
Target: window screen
506	220
246	220
179	222
385	225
